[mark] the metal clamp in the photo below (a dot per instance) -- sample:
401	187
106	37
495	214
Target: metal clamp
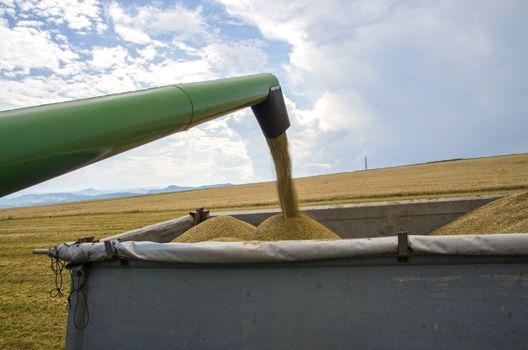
403	246
200	215
109	248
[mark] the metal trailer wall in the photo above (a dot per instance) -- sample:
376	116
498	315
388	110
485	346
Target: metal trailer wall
418	217
428	302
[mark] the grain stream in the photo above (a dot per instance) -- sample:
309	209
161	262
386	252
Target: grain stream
285	188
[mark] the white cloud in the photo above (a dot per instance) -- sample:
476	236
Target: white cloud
336	110
30	92
139	24
148	53
380	70
211	153
178	20
132	35
108	69
7	7
241	57
318	137
178	71
29	24
383	78
78	15
24	48
107	57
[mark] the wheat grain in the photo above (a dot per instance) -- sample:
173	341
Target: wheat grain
505	215
285	188
279	228
218	227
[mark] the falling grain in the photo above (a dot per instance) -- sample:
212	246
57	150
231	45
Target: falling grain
285	189
289	225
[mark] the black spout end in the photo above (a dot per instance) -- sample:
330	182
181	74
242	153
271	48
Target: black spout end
271	114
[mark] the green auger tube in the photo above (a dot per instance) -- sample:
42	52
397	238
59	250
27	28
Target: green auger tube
42	142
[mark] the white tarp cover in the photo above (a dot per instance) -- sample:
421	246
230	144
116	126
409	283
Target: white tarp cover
80	252
286	251
255	251
496	244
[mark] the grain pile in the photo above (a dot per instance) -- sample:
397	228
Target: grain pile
505	215
278	228
219	228
289	225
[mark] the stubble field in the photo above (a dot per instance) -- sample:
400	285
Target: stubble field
30	319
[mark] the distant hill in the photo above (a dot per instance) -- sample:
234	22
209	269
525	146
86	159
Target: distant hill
174	188
90	194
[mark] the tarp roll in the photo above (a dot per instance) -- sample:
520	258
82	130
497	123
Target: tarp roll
290	251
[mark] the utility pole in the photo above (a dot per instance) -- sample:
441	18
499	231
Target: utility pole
366	166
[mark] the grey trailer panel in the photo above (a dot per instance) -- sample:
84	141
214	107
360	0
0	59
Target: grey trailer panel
430	302
381	219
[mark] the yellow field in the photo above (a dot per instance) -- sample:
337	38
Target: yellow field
30	319
504	174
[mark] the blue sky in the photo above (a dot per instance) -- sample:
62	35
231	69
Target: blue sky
398	82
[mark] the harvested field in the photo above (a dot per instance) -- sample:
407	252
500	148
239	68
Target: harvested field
32	320
491	175
505	215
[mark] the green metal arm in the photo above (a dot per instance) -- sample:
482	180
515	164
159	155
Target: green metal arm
42	142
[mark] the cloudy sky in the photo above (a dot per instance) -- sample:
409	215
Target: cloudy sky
400	82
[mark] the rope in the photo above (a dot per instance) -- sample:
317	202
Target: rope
57	266
78	287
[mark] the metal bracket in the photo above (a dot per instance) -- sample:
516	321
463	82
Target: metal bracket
109	248
200	215
403	246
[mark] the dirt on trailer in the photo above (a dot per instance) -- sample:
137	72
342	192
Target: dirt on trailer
505	215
